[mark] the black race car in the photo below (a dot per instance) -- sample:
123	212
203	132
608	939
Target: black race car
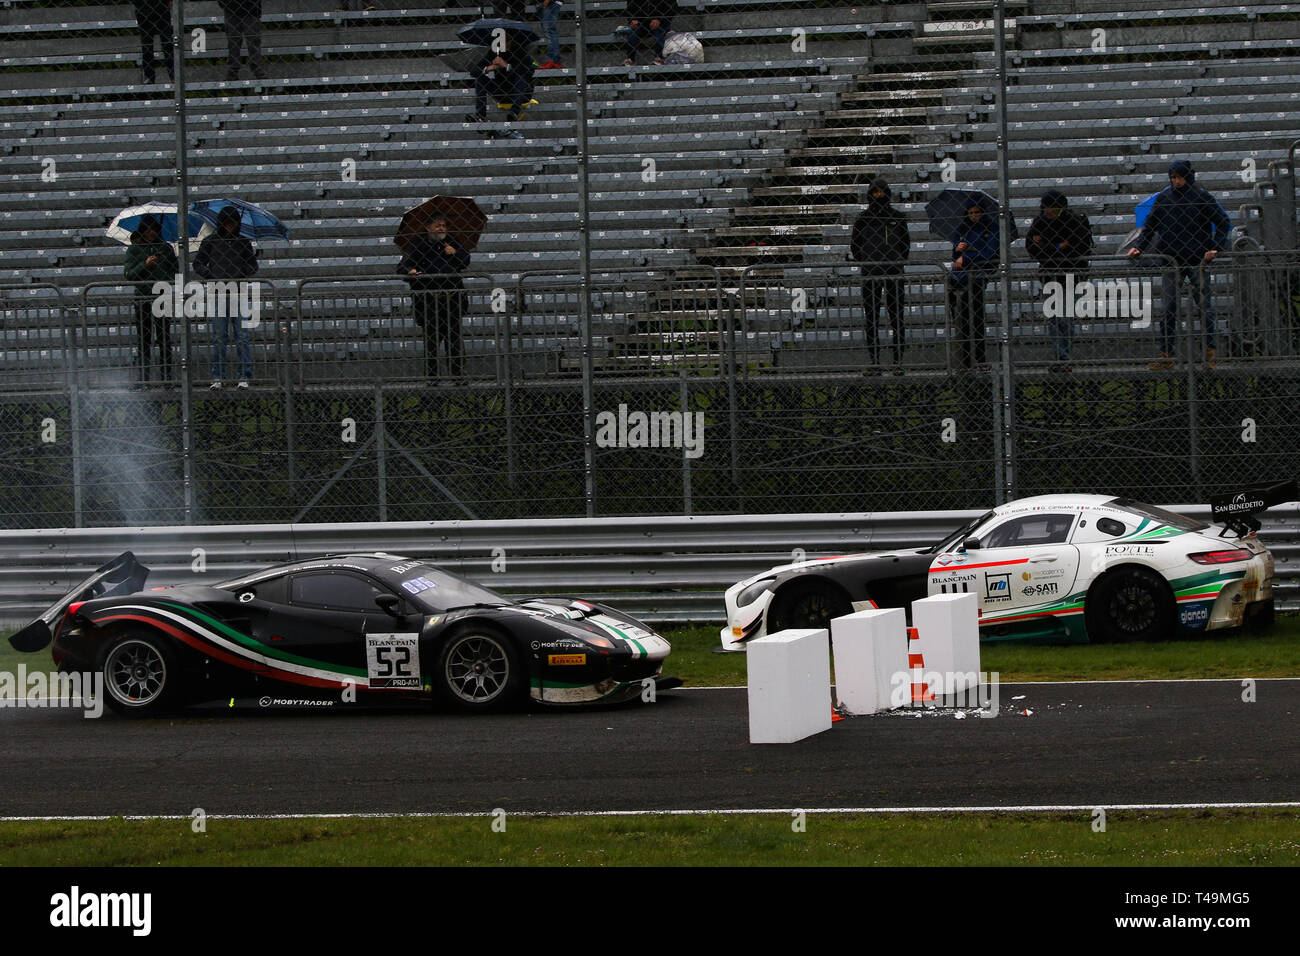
368	627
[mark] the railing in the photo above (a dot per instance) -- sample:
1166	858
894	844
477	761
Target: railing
669	569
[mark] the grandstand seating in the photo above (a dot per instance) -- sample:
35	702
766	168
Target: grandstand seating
762	156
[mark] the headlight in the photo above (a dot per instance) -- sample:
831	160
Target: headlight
753	592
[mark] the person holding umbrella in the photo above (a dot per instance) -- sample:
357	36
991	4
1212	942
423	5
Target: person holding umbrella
975	254
880	241
228	255
148	260
1060	240
507	74
1187	224
429	264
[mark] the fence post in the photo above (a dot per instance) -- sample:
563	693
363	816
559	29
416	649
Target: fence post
1005	411
381	462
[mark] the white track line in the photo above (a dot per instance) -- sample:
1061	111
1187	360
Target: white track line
787	811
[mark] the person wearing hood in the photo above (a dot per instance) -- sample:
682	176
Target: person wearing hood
1187	224
227	255
150	260
429	265
975	254
1060	239
881	243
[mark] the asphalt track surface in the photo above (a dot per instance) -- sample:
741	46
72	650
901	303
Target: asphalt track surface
1098	744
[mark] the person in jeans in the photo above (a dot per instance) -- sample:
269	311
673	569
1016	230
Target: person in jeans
228	255
975	253
1060	240
150	260
549	12
1187	224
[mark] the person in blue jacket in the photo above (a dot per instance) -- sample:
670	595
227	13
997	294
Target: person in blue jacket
975	254
1187	224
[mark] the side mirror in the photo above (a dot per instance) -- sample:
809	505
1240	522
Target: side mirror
971	544
390	603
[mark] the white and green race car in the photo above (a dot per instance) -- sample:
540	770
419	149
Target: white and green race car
1072	567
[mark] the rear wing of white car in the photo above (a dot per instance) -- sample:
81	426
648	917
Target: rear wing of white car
1237	509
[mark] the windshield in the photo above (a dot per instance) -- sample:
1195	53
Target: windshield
438	590
1159	515
954	540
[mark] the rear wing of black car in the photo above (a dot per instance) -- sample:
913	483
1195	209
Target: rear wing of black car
123	575
1237	510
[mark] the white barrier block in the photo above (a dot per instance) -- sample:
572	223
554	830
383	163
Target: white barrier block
870	647
789	686
948	637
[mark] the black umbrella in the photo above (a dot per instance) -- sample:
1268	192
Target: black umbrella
947	210
485	32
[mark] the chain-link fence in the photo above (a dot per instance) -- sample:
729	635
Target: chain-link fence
601	257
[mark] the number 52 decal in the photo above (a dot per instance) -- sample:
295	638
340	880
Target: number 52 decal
393	660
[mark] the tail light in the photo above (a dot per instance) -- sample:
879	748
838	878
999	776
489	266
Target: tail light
1227	556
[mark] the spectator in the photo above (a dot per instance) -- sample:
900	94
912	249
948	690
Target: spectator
150	260
429	265
243	27
508	74
549	12
228	255
975	256
1187	224
153	18
652	18
880	238
1060	239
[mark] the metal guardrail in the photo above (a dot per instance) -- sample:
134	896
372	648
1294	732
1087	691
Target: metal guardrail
666	569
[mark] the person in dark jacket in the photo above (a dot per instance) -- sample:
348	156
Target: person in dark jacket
975	255
648	18
150	260
1187	224
153	18
243	25
509	75
1060	239
881	243
429	265
228	255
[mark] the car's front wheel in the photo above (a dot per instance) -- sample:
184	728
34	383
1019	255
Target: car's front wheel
811	604
141	676
480	669
1129	604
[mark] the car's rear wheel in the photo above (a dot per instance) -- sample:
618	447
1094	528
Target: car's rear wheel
480	669
141	676
1129	604
808	604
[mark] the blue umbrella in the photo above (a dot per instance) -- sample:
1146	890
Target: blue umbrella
126	222
947	210
254	221
483	32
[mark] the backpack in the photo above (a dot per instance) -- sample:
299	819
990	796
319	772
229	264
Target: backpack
683	48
